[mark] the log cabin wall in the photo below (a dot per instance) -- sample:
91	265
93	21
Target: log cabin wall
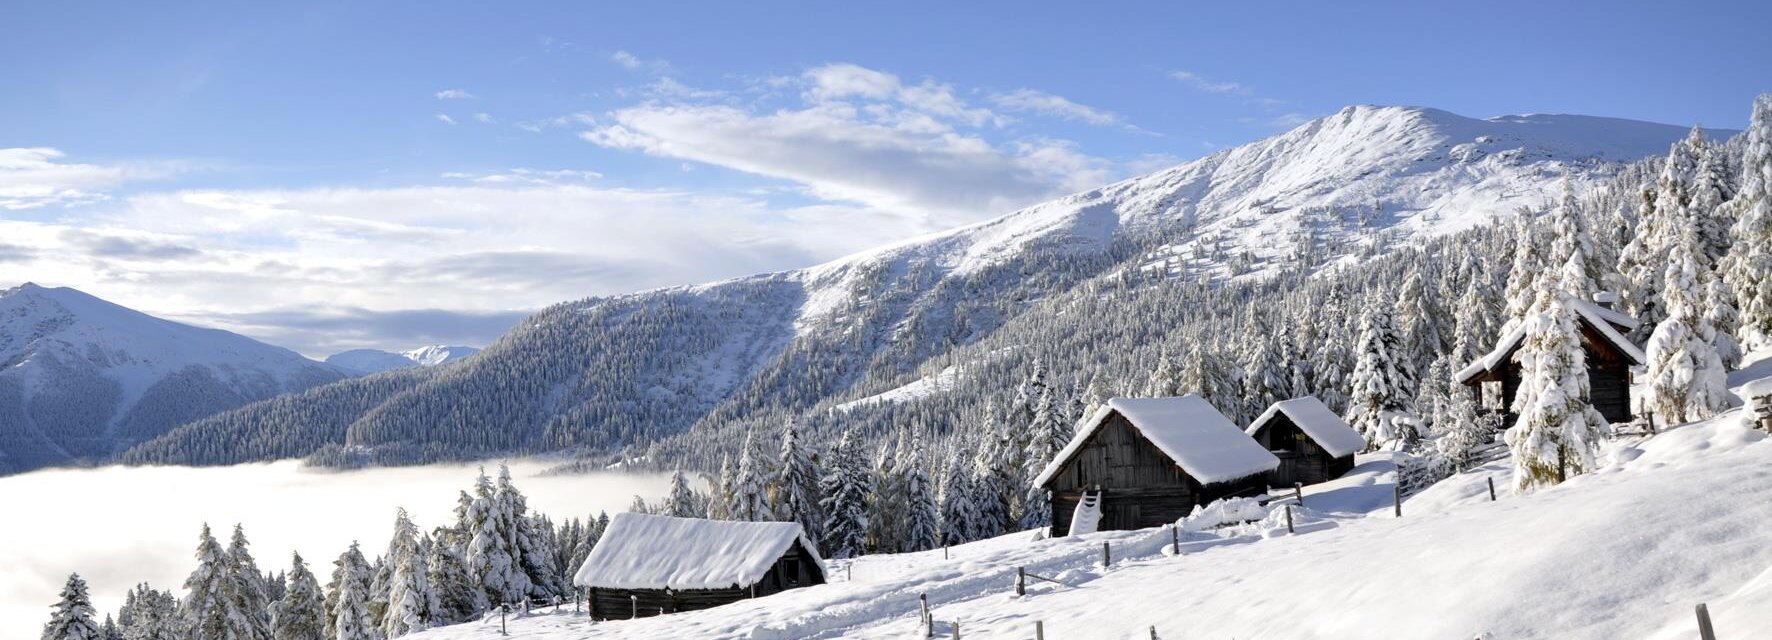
1301	458
1141	486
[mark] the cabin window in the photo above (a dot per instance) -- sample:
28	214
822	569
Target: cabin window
790	572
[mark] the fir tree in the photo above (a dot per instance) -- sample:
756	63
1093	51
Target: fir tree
1748	268
1378	404
959	513
350	611
1558	430
1573	246
846	488
1463	431
459	598
796	493
750	501
680	502
491	556
246	587
411	602
1686	377
1048	435
212	605
301	613
150	614
73	614
720	503
534	577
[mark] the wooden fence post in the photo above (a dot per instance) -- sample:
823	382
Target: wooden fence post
1397	495
1106	557
1174	540
928	621
1153	632
501	620
1491	480
944	552
1039	630
1021	581
849	571
1298	492
1289	519
956	630
1705	632
634	602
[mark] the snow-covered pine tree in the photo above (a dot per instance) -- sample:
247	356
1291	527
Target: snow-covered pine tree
846	488
1724	322
720	502
1463	430
1529	252
921	519
1748	267
301	614
887	501
1424	337
1710	190
246	583
72	618
1048	435
1329	373
211	607
1558	430
459	597
750	499
680	502
993	483
109	630
1478	324
796	492
959	512
1266	379
350	567
491	557
1165	378
1432	395
1572	243
1662	219
1686	377
535	576
411	602
150	614
1378	404
350	613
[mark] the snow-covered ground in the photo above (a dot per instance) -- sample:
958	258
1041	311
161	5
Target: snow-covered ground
1673	520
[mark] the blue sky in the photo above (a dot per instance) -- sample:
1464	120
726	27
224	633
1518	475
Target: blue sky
333	175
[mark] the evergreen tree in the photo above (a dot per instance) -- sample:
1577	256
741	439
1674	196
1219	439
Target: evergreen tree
796	493
350	611
1419	304
1558	430
1378	404
959	513
1686	377
846	488
535	577
750	501
212	608
459	598
491	556
1477	317
246	587
681	501
73	616
1573	245
1048	435
150	614
109	630
1165	379
301	613
1748	268
922	518
886	504
720	503
1529	252
411	602
1463	431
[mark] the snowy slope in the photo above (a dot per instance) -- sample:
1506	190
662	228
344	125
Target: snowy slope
1626	552
856	328
80	377
362	362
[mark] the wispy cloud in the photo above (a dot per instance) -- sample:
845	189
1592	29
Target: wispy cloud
34	177
633	62
1202	83
454	94
445	119
1031	101
483	117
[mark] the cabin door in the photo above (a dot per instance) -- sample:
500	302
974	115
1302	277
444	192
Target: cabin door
1287	472
1118	515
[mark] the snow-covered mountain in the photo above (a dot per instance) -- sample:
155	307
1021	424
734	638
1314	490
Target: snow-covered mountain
81	378
362	362
630	369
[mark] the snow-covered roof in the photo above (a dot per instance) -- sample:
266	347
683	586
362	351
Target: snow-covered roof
1188	429
1604	321
1316	420
641	551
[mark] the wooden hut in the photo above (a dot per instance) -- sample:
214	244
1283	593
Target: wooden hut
646	565
1609	356
1312	443
1145	462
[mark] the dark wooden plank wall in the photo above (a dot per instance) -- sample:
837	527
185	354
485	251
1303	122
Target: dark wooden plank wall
1301	458
1141	487
1608	375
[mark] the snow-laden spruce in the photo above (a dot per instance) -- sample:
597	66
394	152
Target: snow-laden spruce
73	617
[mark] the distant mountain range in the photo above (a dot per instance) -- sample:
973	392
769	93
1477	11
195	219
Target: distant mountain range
633	369
82	379
362	362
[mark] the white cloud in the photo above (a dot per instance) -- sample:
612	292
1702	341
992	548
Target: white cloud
483	117
445	119
632	62
843	81
33	177
454	94
1210	86
1044	103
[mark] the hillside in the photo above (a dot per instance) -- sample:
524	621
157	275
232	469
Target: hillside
81	378
362	362
1670	521
630	370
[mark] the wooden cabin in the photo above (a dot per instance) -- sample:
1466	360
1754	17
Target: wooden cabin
647	565
1313	444
1609	356
1146	462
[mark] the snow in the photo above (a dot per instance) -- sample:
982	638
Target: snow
916	389
642	551
1188	429
1316	420
1669	521
1601	319
362	362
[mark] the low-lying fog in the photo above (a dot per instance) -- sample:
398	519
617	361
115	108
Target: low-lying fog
118	526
